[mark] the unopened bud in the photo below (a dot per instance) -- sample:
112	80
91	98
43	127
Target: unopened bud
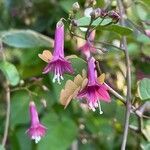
75	7
74	23
90	3
96	13
104	13
43	101
114	15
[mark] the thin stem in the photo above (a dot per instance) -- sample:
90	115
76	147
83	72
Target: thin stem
26	89
121	98
128	77
7	89
97	42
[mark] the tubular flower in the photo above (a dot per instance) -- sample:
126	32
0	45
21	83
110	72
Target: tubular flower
94	91
59	64
37	130
88	46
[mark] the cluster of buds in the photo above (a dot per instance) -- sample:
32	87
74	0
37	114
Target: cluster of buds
75	7
103	13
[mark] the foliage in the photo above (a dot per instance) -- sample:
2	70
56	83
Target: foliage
26	29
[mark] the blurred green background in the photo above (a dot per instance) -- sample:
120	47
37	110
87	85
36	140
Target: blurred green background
75	128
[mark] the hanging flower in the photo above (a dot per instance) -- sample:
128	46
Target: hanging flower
88	45
37	130
58	64
94	91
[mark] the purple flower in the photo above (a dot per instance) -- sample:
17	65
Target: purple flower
59	64
37	130
88	46
94	91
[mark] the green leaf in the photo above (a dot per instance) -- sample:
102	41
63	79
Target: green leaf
10	72
118	29
19	108
25	39
66	5
144	89
78	65
60	134
2	148
85	21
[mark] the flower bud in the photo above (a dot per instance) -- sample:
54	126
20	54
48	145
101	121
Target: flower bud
104	13
74	23
96	13
90	3
114	15
75	7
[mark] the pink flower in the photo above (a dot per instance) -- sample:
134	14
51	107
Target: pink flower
94	91
88	46
37	130
59	64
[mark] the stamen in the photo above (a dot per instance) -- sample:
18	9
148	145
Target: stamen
36	138
57	76
91	106
100	109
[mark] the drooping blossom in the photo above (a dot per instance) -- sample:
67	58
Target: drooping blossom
88	45
37	130
94	91
59	64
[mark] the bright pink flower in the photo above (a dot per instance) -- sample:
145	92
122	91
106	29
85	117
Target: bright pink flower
94	91
88	46
59	64
37	130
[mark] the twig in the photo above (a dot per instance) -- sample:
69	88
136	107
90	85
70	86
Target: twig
98	42
7	89
121	98
128	78
26	89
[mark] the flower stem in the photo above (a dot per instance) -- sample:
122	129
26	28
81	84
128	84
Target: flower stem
7	89
128	77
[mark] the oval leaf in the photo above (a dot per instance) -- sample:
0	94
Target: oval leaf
60	130
118	29
85	21
26	39
10	72
144	89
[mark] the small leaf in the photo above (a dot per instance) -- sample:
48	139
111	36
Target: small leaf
60	134
118	29
85	21
25	39
10	72
144	89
